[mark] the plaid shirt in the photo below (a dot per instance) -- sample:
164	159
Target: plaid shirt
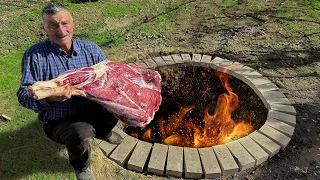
45	61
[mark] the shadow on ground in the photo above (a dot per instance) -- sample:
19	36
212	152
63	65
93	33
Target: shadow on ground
28	151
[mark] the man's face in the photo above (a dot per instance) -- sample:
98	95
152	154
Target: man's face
59	28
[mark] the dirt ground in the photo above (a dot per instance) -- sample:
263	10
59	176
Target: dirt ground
290	60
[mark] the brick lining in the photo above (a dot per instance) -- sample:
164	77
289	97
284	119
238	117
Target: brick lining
219	160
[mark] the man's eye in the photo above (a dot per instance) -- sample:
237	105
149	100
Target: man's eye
65	23
53	25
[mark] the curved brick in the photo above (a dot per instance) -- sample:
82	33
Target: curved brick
221	61
168	59
283	108
242	157
107	147
206	58
123	151
159	61
140	63
284	117
177	58
275	135
210	164
254	149
175	161
273	97
158	159
196	57
227	163
192	164
231	67
265	143
150	63
281	126
138	159
186	57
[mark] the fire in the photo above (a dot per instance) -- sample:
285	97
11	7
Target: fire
219	128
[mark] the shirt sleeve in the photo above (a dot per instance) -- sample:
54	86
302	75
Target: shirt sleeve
99	54
30	74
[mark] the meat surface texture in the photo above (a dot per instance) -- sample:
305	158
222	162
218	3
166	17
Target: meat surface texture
131	93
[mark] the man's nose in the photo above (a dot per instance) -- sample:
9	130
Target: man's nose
61	29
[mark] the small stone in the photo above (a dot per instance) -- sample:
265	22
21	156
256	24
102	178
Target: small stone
297	169
309	130
245	178
305	170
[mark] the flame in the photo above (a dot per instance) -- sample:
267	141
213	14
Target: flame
218	128
147	135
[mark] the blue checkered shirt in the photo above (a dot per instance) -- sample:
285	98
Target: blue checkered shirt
45	61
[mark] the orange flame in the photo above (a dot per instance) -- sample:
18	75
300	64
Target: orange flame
218	128
147	135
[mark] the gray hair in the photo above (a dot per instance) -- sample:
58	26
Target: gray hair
52	9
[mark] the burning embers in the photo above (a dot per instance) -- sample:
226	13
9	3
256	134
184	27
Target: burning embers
200	109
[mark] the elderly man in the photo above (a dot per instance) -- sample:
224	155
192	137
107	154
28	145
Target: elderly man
68	119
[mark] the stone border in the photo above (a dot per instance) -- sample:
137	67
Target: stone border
220	160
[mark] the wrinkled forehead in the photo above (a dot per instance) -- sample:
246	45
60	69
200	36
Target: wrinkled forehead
62	15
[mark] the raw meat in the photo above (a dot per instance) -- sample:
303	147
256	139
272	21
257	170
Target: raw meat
131	93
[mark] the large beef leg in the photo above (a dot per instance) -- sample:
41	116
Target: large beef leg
131	93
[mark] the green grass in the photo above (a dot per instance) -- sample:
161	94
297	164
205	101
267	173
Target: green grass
121	11
156	27
111	38
302	9
228	3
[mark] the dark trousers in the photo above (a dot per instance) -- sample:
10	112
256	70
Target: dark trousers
76	131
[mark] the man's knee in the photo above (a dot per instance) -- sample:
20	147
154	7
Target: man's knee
80	132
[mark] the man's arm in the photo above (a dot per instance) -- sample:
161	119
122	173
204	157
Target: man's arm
30	74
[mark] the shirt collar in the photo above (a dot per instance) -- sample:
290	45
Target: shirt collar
60	52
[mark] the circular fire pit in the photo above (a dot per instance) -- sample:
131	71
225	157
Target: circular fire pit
232	154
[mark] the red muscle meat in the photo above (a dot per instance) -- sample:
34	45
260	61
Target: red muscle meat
131	93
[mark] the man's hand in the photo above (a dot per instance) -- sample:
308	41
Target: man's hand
61	96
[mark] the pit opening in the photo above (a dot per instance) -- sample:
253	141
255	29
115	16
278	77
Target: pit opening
202	107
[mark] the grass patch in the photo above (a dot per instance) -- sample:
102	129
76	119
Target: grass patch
20	30
111	38
156	27
10	74
302	9
228	3
121	11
